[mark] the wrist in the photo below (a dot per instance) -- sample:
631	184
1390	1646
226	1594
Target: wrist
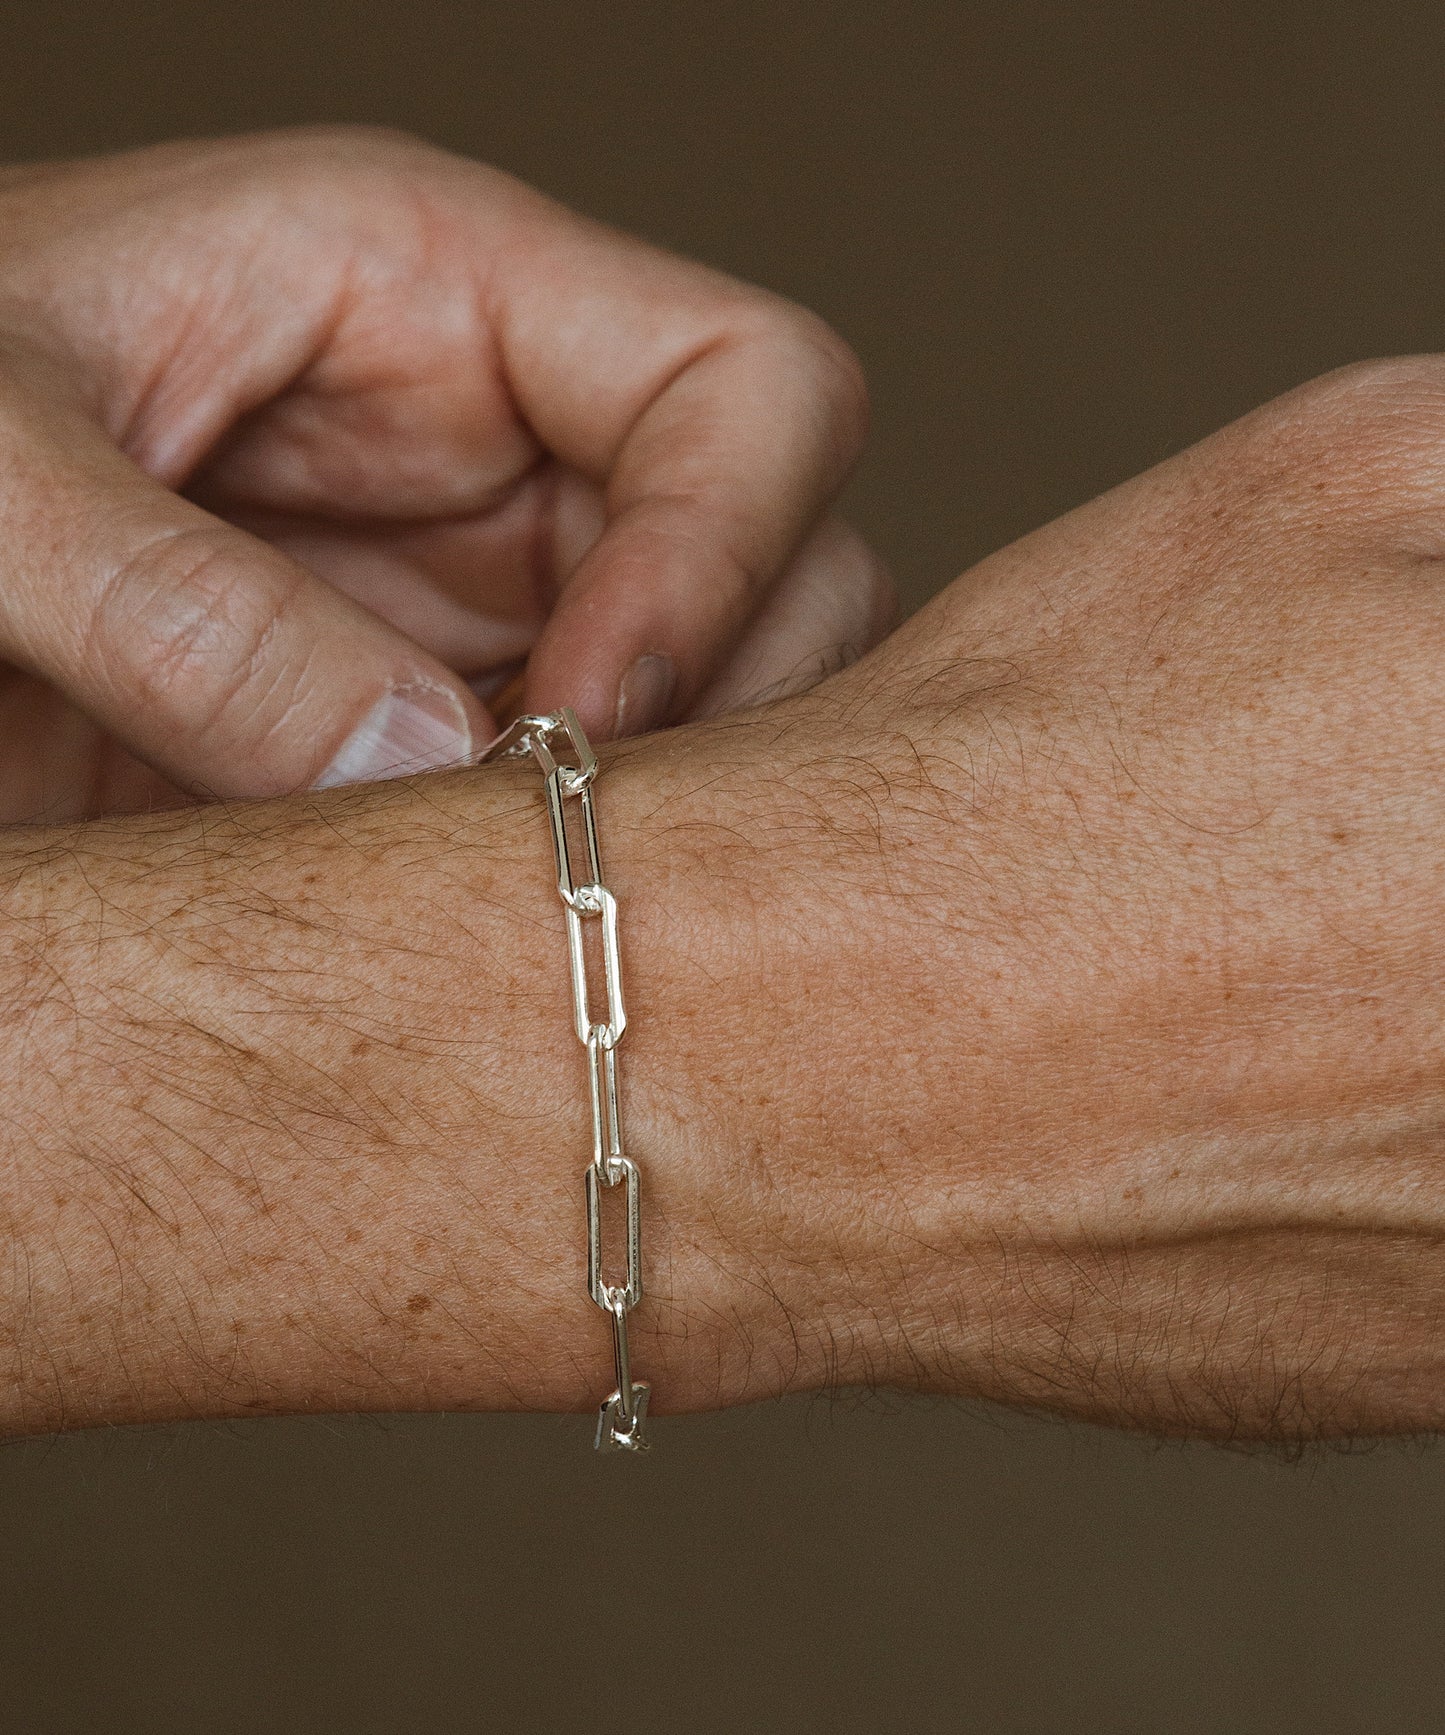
755	972
301	1118
1055	1105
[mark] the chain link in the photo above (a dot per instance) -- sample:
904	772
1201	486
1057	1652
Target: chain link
569	768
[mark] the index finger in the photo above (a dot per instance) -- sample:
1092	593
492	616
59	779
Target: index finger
719	421
417	330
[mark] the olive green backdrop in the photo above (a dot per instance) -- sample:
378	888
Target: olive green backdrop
1066	240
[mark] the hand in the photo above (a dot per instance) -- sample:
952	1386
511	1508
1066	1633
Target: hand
308	440
1044	1009
1102	910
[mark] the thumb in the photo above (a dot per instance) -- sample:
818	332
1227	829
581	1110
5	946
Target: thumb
228	667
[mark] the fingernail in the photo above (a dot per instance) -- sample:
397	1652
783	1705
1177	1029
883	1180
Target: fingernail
644	698
413	728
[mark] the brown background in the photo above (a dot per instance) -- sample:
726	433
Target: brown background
1066	240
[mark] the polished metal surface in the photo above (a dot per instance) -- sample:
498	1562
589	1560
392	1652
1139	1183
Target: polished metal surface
569	768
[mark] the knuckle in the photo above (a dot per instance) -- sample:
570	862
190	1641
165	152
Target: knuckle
828	367
182	626
328	143
843	385
308	166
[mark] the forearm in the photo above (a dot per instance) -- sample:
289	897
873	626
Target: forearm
296	1119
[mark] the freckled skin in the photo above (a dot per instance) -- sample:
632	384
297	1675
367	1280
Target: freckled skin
1014	1015
315	431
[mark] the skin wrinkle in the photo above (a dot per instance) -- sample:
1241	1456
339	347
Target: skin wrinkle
956	1063
334	397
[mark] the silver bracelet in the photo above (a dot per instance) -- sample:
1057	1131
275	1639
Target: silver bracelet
570	776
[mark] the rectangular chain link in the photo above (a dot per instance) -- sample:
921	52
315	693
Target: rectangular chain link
569	767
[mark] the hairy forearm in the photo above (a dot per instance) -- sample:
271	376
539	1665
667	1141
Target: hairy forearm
296	1120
